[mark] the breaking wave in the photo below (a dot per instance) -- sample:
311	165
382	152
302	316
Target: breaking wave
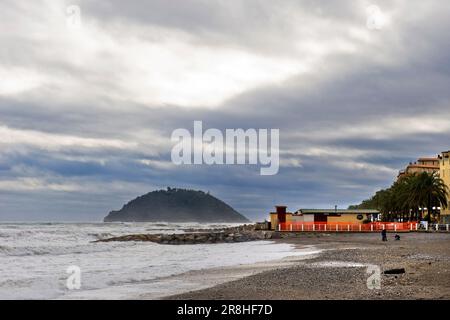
35	258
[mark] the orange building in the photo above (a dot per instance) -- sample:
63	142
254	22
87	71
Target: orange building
429	165
351	216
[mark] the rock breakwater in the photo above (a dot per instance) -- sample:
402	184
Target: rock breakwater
233	234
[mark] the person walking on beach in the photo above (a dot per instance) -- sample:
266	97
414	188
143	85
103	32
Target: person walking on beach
383	235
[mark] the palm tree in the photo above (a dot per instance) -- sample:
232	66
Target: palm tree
411	203
407	194
425	189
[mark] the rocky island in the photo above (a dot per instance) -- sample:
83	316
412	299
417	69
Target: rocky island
176	205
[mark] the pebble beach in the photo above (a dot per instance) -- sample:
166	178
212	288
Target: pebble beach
340	270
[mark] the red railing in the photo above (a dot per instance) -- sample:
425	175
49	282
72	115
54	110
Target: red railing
348	227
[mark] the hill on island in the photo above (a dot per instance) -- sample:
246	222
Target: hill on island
176	205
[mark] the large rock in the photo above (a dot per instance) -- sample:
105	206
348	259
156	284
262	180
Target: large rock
176	205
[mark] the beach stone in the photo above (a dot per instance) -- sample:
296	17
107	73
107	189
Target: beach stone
228	235
201	238
276	235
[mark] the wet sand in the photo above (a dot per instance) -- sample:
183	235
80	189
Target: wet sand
340	270
206	278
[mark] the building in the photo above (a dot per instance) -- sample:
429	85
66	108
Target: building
429	165
279	216
356	216
440	165
444	174
337	215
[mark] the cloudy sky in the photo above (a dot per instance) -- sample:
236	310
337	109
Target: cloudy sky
88	102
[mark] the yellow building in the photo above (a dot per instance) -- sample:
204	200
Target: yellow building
429	165
336	215
279	216
441	165
444	173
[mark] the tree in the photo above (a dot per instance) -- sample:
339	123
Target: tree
427	189
404	198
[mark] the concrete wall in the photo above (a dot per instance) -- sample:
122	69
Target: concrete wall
428	161
288	217
297	218
348	217
302	218
273	220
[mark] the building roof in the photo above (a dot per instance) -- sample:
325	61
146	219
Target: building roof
342	211
428	159
428	166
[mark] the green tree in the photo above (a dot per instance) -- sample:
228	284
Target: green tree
426	190
404	198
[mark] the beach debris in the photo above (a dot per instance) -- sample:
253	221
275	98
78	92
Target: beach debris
395	271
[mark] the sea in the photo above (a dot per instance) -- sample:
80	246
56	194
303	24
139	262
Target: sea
62	261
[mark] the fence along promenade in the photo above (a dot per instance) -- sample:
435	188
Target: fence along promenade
355	227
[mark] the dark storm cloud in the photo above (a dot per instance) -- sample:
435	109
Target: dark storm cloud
77	142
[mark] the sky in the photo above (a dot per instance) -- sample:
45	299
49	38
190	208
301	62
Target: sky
91	91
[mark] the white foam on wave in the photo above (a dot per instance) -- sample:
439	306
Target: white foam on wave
35	259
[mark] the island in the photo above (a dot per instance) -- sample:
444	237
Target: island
176	205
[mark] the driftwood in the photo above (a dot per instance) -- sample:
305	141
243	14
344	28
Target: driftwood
395	271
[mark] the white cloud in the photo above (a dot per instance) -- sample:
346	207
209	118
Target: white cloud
383	128
49	141
186	74
165	67
362	166
17	80
36	184
155	65
158	164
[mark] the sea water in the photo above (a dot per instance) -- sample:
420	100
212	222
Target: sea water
35	258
